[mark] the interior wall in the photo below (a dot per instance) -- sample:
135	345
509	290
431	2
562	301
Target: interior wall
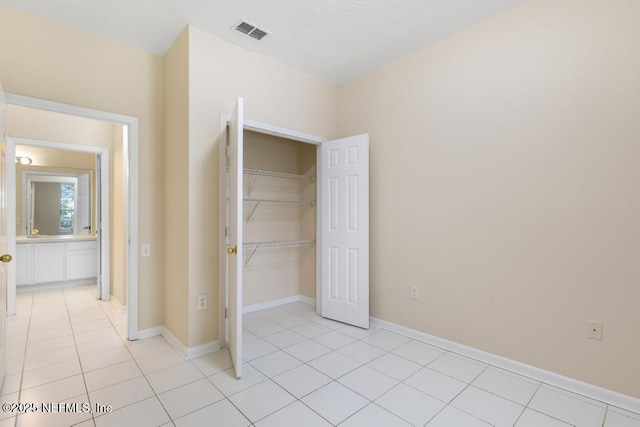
176	184
504	163
47	60
219	72
118	219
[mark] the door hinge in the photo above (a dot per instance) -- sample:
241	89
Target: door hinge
226	232
226	311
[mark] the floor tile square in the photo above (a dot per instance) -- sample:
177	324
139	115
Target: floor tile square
110	375
301	380
275	363
357	333
488	407
514	387
368	382
294	415
223	412
213	363
189	398
530	418
617	417
159	361
311	330
452	417
148	412
362	352
257	348
122	394
334	339
374	415
419	353
436	384
227	382
261	400
174	376
459	367
561	405
104	359
56	391
285	339
335	402
395	366
385	340
410	404
334	364
307	350
291	321
47	374
264	328
58	419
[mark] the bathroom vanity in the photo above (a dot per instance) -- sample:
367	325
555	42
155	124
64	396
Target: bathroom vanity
44	262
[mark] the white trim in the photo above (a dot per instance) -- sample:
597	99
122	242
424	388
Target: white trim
307	300
189	352
131	184
281	132
121	308
589	390
277	303
22	289
150	332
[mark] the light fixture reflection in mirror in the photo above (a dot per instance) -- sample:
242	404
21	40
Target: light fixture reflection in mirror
23	160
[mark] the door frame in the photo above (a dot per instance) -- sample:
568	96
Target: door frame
11	205
267	129
130	154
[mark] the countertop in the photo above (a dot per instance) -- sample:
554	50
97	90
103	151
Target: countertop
55	239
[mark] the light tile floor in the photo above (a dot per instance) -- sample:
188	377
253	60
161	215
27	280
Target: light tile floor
64	346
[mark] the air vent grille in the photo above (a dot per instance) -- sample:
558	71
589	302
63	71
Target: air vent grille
251	30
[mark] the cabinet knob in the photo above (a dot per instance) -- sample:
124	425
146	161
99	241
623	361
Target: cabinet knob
6	258
230	250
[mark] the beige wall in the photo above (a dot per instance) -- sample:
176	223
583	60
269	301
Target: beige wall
219	72
176	183
47	60
504	183
117	217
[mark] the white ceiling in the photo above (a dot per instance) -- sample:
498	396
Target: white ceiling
335	40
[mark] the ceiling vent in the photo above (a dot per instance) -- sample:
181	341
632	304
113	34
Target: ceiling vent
246	27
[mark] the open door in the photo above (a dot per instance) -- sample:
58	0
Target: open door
344	230
234	249
98	190
4	257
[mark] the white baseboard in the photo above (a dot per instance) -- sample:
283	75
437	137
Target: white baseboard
150	332
21	289
271	304
307	300
589	390
187	352
118	305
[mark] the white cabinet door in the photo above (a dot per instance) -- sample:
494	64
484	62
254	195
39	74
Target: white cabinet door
234	313
344	230
24	272
48	259
81	260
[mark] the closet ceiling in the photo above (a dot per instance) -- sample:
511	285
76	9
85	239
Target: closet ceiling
333	39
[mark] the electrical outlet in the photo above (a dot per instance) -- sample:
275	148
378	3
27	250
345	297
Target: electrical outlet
146	250
414	292
202	302
594	330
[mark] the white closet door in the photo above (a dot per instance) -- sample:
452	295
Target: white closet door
344	230
234	250
3	233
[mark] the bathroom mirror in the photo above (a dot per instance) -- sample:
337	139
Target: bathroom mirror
55	203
